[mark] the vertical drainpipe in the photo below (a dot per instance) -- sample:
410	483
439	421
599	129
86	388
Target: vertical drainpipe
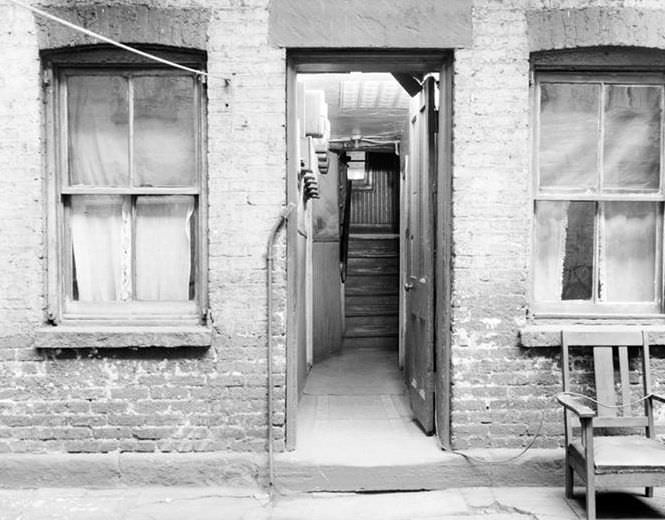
283	217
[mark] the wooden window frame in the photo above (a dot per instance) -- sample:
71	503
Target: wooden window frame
60	306
598	309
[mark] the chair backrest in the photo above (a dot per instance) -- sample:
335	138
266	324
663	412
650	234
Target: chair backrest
609	345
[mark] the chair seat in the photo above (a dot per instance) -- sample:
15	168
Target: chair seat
625	454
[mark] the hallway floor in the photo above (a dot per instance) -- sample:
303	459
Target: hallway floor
355	411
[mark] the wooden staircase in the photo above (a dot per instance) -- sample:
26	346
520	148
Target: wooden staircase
371	292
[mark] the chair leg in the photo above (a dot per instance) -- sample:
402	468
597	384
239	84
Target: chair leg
648	492
569	480
590	499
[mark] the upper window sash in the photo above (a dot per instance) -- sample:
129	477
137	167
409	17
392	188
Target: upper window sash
586	172
135	142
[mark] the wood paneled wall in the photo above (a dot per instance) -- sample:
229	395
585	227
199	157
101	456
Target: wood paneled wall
377	208
328	313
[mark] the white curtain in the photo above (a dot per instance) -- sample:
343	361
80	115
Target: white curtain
551	230
98	153
628	253
96	234
101	226
163	247
101	242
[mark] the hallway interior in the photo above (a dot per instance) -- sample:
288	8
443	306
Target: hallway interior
355	411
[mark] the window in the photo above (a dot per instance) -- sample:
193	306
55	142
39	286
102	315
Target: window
598	208
129	191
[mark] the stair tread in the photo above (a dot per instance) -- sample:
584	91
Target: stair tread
378	312
373	236
372	253
357	291
372	275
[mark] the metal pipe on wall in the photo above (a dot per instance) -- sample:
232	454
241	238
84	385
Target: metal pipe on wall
283	217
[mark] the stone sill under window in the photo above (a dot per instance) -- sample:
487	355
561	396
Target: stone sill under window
71	337
549	335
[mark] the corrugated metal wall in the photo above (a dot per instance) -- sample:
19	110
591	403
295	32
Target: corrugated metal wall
378	207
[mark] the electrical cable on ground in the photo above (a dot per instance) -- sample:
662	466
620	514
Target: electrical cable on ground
115	43
617	406
473	459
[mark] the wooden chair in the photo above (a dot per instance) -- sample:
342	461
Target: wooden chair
611	457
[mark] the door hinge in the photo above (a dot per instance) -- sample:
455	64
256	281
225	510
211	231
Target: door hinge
47	77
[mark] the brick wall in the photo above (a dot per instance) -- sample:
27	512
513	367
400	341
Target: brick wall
501	391
214	399
145	400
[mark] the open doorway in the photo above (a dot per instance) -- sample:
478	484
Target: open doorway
362	348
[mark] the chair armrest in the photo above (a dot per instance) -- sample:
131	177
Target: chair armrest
657	397
576	406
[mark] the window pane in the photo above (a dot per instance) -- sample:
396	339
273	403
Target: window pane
164	248
96	225
97	111
628	258
632	137
564	250
568	135
164	131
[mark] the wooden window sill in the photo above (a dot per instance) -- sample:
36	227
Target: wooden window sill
93	336
549	335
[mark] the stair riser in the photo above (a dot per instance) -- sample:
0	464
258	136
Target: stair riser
372	306
368	326
379	265
391	244
371	285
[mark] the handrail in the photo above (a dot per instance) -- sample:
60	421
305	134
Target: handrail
346	226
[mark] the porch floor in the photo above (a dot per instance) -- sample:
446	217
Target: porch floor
355	411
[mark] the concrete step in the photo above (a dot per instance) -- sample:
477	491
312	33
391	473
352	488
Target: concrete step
440	470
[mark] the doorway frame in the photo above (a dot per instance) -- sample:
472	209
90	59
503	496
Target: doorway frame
390	61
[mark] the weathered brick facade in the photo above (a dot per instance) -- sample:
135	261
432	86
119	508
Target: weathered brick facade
196	399
174	400
501	389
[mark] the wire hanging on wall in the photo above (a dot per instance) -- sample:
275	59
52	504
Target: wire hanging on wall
115	43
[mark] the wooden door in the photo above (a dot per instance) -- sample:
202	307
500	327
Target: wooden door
419	280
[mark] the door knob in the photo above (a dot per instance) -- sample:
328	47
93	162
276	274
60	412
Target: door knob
408	286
